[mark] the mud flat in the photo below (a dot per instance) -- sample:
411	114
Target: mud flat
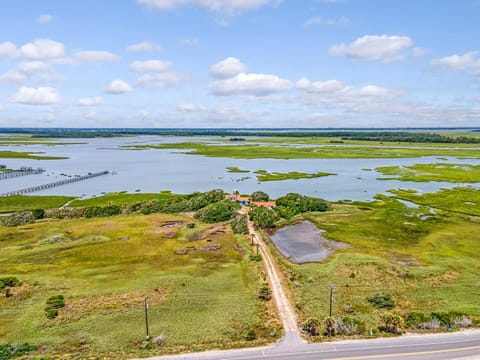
303	243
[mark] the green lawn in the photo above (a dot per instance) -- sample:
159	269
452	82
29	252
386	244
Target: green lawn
104	267
454	173
426	262
24	202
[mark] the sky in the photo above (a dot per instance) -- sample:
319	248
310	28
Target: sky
240	63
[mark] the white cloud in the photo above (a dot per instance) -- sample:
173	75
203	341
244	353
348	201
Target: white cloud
227	7
317	20
42	49
227	68
44	19
97	100
383	48
36	96
95	56
147	46
468	62
186	107
118	87
8	50
90	115
162	80
250	84
150	66
37	71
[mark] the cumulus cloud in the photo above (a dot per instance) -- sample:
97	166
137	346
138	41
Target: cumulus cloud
44	19
154	66
469	62
42	49
95	56
97	100
385	48
250	84
8	50
162	80
37	71
146	46
36	96
157	74
118	87
227	68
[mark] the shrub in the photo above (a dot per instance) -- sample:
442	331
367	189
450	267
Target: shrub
263	217
9	281
250	335
414	318
260	196
53	304
432	324
38	213
19	218
312	326
265	293
349	326
393	324
159	340
463	321
217	212
240	225
381	301
331	326
9	351
447	317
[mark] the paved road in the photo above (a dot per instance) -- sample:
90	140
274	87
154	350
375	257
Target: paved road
461	345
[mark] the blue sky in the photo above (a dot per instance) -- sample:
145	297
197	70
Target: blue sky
240	63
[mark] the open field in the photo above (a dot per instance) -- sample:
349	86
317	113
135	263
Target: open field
24	202
255	151
454	173
427	262
27	155
104	268
120	199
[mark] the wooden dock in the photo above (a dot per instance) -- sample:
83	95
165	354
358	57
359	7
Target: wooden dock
54	184
20	172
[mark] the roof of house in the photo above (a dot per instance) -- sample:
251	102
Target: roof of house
264	203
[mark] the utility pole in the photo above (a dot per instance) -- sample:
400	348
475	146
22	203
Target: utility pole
146	317
331	299
257	244
253	236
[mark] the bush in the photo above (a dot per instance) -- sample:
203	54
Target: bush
263	217
312	326
38	213
381	301
293	204
462	322
393	324
414	319
331	326
239	224
217	212
260	196
250	335
432	324
447	317
9	281
349	326
19	218
265	293
9	351
53	304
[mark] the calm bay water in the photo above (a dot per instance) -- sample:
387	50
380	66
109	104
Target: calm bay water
155	170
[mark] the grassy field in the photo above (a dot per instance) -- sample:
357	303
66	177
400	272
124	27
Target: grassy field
23	202
235	169
27	155
120	199
104	267
263	175
427	262
256	151
454	173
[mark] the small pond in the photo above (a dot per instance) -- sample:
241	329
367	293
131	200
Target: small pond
304	242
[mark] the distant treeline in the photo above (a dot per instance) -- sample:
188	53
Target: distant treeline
391	135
